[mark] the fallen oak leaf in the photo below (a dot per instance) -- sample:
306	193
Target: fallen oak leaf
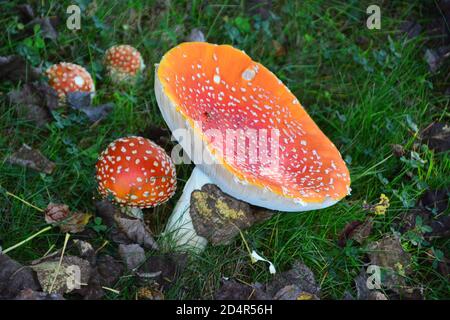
33	159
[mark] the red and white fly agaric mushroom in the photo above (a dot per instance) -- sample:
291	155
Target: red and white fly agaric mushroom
67	77
123	63
136	173
213	92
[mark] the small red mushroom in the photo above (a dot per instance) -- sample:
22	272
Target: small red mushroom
123	62
69	77
136	172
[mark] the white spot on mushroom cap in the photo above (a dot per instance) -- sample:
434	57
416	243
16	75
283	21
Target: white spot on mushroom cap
79	81
249	74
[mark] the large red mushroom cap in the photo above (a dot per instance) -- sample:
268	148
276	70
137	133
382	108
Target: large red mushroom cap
67	77
136	172
123	62
210	89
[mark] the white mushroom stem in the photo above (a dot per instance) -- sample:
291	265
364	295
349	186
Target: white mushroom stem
179	229
133	212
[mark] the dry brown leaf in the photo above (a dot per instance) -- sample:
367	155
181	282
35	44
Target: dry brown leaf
132	255
67	221
137	231
33	159
219	217
66	279
14	278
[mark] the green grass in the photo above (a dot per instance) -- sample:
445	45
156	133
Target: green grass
362	94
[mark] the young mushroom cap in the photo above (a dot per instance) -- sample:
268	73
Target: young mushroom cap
136	172
212	90
123	62
67	77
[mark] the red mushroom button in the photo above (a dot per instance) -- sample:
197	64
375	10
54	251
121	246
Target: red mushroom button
123	62
68	77
136	172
